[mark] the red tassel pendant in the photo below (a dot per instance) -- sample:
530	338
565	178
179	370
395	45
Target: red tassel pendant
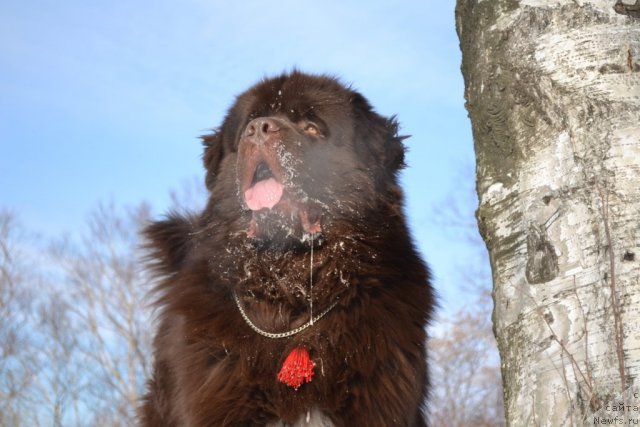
297	368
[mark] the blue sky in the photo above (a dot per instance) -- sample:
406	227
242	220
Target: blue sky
104	101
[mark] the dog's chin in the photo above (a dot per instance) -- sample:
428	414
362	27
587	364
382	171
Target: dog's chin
275	230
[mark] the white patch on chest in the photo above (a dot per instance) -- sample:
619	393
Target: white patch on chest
313	418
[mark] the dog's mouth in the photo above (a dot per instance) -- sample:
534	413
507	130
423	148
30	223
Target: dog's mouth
272	204
265	191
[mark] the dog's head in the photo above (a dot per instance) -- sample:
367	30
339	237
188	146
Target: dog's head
297	153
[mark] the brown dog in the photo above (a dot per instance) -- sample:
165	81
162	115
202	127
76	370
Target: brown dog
297	296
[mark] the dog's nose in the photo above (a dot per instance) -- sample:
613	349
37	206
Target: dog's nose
259	129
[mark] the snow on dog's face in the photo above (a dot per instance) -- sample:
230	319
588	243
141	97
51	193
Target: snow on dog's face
298	154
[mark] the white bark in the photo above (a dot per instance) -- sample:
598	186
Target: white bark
553	93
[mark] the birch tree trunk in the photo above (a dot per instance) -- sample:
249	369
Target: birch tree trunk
553	93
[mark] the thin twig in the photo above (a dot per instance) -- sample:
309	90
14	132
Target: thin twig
589	387
615	305
566	383
594	402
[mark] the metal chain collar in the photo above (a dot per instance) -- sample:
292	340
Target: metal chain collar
281	334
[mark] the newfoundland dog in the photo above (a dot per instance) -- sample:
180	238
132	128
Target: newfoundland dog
297	296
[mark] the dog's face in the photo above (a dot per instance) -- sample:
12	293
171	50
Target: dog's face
295	155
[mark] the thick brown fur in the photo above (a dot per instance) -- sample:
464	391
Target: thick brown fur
211	368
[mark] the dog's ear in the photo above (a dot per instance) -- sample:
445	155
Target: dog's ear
213	152
378	136
168	243
394	149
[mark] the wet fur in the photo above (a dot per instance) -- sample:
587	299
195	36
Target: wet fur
211	369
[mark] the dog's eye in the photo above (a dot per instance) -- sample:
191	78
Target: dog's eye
312	129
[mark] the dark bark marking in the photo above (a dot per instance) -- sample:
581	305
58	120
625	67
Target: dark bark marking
632	10
542	261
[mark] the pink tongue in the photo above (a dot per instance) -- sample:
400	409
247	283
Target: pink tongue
264	194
